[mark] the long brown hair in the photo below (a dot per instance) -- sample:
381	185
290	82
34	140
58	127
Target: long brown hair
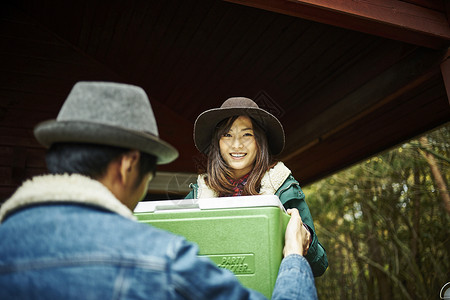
218	171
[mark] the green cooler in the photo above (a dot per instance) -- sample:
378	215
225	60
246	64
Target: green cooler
242	234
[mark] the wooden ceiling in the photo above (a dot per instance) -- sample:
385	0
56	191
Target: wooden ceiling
347	79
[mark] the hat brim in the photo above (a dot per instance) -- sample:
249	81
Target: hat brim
206	122
52	131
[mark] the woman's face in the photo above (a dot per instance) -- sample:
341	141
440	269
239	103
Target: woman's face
238	147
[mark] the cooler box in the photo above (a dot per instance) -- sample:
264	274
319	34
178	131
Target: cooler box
242	234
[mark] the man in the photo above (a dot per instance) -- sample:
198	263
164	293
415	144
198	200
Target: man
72	235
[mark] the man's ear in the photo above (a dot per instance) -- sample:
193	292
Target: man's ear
128	162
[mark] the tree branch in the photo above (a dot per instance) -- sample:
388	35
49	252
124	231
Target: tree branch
367	260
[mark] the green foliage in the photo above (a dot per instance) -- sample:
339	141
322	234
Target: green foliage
384	226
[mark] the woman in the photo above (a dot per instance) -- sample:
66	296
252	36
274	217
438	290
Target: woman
239	140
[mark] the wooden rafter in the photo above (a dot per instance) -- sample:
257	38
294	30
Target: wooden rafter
381	90
445	70
392	19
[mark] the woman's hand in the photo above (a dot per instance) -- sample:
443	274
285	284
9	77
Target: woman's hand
296	236
306	242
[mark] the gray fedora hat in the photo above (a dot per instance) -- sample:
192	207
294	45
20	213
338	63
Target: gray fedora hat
107	113
206	123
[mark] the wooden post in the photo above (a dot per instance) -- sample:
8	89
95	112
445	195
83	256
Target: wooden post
445	70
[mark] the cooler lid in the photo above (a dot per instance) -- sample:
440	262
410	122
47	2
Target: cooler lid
209	203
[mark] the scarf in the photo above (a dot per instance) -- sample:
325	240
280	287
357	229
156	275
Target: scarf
238	186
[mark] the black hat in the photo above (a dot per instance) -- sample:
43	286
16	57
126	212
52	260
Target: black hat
207	121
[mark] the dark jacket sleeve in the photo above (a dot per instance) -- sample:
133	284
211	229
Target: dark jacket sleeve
292	196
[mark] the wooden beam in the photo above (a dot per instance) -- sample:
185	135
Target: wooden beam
432	4
445	70
404	76
391	19
18	164
447	10
390	125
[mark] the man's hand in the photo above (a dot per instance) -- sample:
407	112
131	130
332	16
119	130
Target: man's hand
296	235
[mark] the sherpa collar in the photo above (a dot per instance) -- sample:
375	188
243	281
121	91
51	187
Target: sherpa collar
67	189
274	179
270	183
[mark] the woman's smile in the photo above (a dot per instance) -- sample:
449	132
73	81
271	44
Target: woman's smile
238	155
